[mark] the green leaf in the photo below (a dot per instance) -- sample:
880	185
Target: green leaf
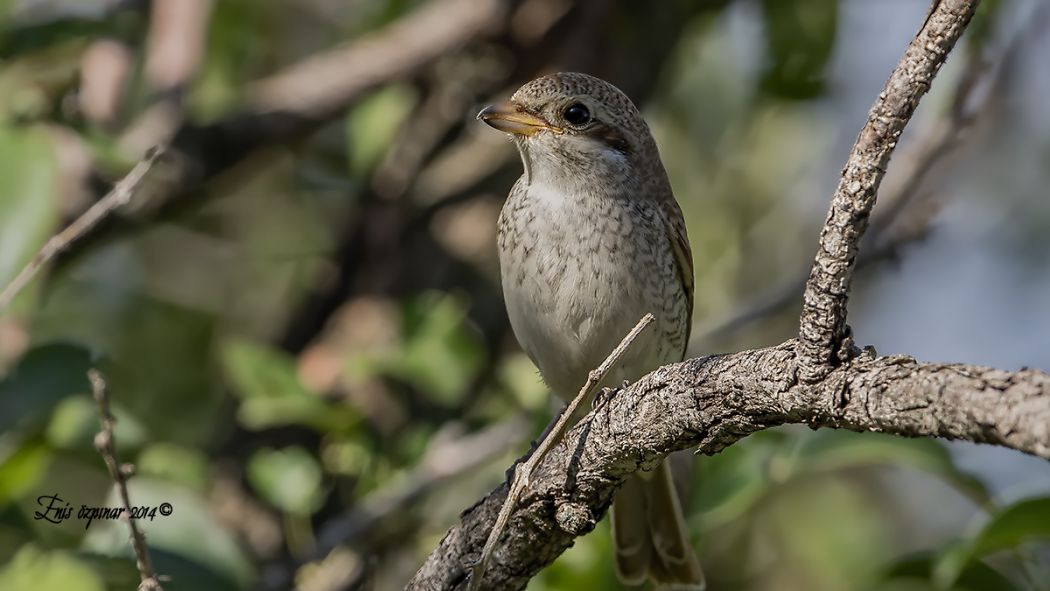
800	37
289	479
440	355
43	377
1021	522
28	200
831	450
74	423
808	519
372	123
271	394
977	576
984	24
519	375
159	354
729	484
22	470
183	465
34	569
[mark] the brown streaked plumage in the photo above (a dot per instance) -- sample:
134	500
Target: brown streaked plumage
591	239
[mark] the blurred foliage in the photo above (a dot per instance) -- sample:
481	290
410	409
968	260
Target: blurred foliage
27	167
799	38
373	235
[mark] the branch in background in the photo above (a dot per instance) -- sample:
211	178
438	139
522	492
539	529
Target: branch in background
712	402
176	43
888	235
823	332
106	445
301	98
104	69
120	195
177	39
324	85
445	459
297	100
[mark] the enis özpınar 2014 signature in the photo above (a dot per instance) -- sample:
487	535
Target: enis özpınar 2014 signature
55	509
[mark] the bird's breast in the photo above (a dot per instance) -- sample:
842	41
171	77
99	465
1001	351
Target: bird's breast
578	271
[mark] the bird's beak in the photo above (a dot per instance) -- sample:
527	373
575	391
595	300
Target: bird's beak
512	118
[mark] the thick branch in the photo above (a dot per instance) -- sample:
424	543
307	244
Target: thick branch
711	402
822	327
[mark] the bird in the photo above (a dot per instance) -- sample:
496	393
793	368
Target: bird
590	239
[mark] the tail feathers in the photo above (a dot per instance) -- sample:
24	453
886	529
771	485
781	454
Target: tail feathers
650	536
630	527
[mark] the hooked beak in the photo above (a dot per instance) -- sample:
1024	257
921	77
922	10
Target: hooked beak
512	118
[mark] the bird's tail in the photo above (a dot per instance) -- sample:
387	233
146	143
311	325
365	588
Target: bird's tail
649	533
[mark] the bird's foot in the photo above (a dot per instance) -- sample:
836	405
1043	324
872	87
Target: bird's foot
602	396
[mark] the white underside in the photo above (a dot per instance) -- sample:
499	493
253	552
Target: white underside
569	307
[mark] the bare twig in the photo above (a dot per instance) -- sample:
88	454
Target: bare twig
119	196
106	445
323	85
823	331
524	471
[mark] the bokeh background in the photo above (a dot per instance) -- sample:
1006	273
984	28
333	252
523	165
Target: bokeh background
299	315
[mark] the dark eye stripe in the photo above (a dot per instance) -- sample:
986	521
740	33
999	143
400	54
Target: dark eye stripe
609	136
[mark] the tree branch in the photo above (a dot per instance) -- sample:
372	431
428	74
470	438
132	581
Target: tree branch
710	403
822	327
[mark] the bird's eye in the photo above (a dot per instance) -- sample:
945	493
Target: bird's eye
577	114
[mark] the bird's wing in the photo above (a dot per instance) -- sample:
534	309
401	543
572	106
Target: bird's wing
674	223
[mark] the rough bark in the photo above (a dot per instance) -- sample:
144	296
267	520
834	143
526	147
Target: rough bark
823	330
710	403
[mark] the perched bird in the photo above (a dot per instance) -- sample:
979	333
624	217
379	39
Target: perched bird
590	240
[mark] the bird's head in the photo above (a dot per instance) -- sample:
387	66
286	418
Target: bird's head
575	124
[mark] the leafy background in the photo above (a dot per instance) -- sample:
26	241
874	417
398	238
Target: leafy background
307	350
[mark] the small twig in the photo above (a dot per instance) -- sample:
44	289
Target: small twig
119	196
106	445
524	471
